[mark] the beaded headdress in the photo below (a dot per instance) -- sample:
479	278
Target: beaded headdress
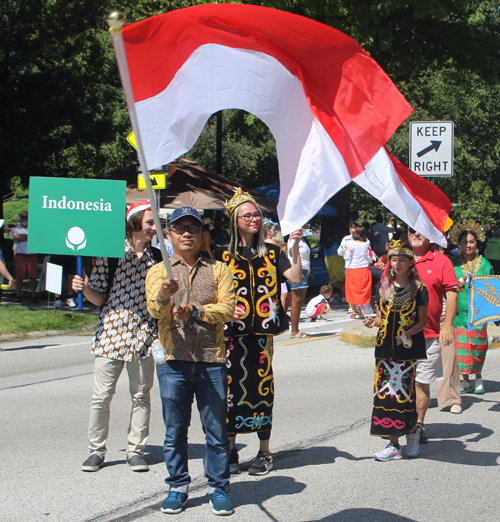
467	224
396	249
238	198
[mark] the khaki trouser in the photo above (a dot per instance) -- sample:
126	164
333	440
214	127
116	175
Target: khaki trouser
448	389
106	374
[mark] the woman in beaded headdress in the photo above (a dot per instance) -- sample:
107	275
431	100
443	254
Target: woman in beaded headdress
258	269
401	317
471	346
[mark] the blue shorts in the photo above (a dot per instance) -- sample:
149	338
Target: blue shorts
303	283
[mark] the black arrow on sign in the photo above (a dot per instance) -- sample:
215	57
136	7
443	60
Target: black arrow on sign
154	182
435	146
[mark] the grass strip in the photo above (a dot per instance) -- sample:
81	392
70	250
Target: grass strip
20	320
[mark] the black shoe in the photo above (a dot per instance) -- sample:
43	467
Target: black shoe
262	464
137	463
234	462
18	299
93	463
34	300
423	433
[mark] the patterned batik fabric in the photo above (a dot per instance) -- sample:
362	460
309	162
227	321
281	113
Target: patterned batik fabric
125	329
394	407
471	348
250	383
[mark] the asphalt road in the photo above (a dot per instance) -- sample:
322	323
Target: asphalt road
324	469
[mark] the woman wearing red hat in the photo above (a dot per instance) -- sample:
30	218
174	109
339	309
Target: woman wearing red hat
124	336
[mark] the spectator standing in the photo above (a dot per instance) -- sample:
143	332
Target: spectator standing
298	290
471	346
25	264
396	235
343	244
4	272
195	359
168	245
381	233
124	335
358	278
436	272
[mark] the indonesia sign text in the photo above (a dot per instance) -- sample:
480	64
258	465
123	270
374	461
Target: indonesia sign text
76	217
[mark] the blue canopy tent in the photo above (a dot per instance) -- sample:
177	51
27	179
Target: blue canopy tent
273	191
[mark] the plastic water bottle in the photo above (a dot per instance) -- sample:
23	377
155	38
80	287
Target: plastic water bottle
158	353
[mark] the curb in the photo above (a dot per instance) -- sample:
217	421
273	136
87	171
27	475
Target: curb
366	339
49	333
359	336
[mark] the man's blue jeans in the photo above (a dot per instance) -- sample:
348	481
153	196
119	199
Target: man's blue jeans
179	382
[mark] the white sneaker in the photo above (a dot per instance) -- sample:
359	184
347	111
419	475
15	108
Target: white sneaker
466	387
57	304
479	386
390	452
70	302
413	444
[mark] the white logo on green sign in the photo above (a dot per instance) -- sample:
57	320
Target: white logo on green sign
76	238
71	216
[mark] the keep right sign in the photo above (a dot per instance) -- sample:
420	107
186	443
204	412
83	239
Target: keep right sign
431	148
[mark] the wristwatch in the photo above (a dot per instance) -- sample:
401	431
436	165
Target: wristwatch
194	312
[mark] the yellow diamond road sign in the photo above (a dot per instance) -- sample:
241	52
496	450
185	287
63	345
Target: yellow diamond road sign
158	181
131	140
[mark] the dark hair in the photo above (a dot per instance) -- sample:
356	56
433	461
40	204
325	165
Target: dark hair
359	234
134	224
366	225
466	232
325	289
496	232
379	218
387	281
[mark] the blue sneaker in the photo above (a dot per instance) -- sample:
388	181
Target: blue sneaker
174	502
220	502
413	444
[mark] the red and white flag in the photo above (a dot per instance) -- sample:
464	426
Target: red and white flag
330	107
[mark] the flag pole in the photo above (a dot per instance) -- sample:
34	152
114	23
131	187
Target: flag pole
116	20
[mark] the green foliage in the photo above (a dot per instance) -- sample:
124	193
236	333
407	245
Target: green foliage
248	149
63	113
18	201
477	203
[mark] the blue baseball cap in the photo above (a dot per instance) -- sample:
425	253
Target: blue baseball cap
179	213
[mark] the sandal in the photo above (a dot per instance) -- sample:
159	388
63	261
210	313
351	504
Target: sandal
300	335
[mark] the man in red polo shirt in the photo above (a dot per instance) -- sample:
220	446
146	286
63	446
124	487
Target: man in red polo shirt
436	272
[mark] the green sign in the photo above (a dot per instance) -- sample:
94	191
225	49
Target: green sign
78	217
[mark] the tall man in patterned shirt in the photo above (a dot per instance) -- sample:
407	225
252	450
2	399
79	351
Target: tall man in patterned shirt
195	359
124	335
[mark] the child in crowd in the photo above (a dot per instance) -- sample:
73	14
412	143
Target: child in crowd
318	306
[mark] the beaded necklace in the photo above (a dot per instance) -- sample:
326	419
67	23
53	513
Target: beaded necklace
473	268
401	299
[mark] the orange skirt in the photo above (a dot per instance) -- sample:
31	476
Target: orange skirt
358	285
